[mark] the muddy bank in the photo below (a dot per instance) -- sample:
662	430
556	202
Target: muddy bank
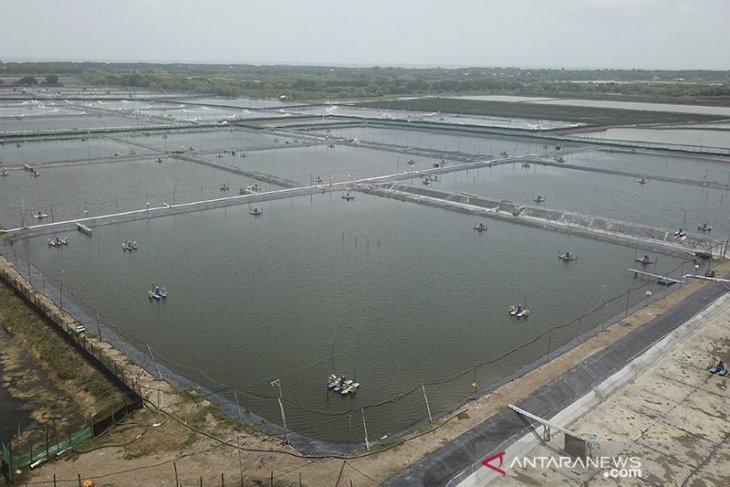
13	411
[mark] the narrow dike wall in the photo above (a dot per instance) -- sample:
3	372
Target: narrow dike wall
90	348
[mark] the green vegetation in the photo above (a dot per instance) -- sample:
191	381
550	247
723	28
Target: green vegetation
322	82
587	115
27	80
53	355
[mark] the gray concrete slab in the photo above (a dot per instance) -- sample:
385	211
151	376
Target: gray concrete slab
683	447
673	418
645	402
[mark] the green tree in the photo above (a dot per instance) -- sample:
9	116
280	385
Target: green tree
28	80
52	79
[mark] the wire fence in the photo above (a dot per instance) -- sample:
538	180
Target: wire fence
413	407
183	477
51	438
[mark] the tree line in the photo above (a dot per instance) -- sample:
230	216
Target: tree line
322	82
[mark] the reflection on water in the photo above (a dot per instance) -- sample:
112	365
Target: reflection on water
657	203
403	294
696	138
66	193
394	294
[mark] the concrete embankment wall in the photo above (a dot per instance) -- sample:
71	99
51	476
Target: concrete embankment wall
143	214
624	233
65	325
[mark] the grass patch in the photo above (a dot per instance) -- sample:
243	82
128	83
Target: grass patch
56	357
588	115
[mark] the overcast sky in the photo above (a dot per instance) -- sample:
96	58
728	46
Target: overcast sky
662	34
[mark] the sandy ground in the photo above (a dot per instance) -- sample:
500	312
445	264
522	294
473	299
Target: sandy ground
179	439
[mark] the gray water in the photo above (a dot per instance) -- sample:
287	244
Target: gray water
78	191
343	163
203	140
396	294
686	167
657	203
442	141
435	117
686	137
61	122
59	150
404	294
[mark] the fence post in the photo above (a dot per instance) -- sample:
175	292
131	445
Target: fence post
364	427
428	408
240	461
124	346
98	328
159	375
550	333
55	434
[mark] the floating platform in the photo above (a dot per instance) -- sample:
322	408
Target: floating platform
83	229
663	280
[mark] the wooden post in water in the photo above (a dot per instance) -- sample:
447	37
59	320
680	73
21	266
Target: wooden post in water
365	428
550	333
